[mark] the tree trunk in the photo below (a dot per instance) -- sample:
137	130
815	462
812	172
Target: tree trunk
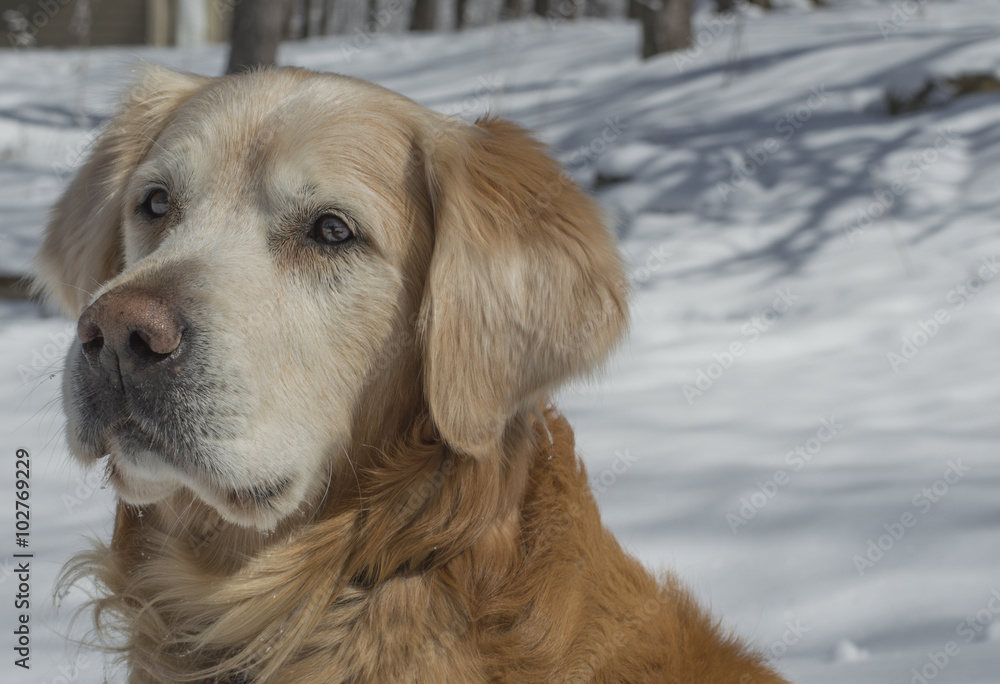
513	9
192	23
723	6
763	4
424	15
329	17
295	19
666	26
558	9
256	34
460	14
329	7
314	18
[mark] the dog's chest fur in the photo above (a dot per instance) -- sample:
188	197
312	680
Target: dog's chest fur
545	593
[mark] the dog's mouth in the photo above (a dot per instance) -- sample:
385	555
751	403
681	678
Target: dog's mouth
150	457
130	440
142	476
169	414
257	496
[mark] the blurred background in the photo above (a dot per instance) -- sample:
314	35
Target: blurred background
804	421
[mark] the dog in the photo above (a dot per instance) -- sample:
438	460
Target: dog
318	325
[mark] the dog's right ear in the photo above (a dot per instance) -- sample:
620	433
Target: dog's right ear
83	241
525	288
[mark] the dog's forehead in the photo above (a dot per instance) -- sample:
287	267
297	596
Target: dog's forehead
284	124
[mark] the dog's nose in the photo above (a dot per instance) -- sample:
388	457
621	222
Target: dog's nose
139	327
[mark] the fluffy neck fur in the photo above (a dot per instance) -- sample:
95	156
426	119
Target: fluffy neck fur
195	597
442	569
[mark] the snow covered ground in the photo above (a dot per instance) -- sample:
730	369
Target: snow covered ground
804	421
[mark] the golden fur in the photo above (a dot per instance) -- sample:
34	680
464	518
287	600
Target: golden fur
433	522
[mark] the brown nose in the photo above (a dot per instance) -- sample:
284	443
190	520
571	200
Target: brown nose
137	326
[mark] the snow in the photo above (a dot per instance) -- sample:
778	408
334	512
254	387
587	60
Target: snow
784	236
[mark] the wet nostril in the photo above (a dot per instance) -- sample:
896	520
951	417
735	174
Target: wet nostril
138	342
90	335
93	347
146	347
87	329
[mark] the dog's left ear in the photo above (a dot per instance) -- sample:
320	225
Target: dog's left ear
526	288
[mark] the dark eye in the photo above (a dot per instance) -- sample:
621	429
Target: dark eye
330	229
157	203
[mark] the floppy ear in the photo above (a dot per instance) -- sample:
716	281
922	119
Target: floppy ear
526	287
82	247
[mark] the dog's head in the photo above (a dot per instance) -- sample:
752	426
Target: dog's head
263	263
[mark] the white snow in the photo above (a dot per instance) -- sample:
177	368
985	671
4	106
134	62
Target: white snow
784	236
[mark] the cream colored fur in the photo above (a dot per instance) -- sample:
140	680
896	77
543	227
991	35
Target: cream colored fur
433	522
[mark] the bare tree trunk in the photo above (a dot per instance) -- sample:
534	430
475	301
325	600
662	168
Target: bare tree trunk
634	9
763	4
558	9
424	15
513	9
295	19
256	34
329	16
460	14
666	26
723	6
314	18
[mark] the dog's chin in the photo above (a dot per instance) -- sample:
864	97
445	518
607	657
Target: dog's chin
260	506
141	479
135	490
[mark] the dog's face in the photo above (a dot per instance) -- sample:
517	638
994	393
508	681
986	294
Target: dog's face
261	263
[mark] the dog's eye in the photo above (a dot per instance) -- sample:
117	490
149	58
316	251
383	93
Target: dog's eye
330	229
157	203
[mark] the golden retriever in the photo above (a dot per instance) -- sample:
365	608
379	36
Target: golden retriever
317	327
